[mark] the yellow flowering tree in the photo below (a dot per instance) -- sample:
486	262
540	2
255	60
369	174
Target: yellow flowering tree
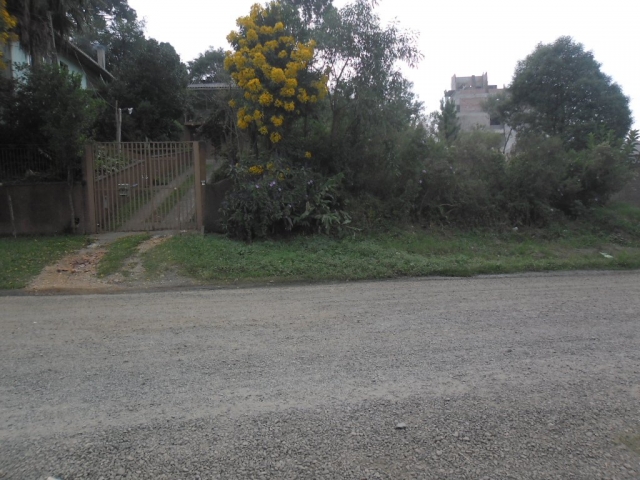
274	70
7	24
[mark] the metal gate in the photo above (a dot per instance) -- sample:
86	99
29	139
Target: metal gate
146	186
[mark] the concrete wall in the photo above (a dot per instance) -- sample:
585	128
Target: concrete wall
41	209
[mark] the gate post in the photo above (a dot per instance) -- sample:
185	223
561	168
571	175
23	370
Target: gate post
88	167
200	169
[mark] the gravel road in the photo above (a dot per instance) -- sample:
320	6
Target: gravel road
512	377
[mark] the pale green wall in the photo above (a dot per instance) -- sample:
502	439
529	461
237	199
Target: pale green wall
14	55
73	66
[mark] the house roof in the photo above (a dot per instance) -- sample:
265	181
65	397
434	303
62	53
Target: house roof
85	60
211	86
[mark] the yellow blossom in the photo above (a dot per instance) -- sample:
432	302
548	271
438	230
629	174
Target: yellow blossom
232	103
291	83
275	137
253	85
277	75
266	30
259	59
252	35
303	96
266	99
289	106
277	120
256	170
307	154
271	45
263	130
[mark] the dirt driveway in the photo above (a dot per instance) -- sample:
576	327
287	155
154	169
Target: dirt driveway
518	377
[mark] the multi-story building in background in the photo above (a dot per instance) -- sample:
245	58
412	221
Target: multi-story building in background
470	95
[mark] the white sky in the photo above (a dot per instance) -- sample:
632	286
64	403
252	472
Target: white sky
456	37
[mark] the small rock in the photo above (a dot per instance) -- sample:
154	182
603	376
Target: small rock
401	426
121	471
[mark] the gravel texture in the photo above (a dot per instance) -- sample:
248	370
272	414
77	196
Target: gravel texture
512	377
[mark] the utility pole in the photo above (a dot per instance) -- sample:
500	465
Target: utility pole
118	123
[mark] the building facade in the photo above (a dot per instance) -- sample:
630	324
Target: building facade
470	95
92	70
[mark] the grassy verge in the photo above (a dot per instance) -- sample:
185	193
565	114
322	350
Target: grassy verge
23	258
411	252
119	251
632	443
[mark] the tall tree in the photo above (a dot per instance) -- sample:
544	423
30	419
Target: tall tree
40	22
275	71
114	25
7	24
152	81
362	58
208	67
448	124
560	90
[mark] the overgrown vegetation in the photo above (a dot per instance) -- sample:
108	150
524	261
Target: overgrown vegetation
118	252
608	239
382	158
320	130
21	259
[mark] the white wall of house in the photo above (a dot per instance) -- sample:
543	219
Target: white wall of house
73	66
14	55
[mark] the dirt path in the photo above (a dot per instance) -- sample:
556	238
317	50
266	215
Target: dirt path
503	377
77	272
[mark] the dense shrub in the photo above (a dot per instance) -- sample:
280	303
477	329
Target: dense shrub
277	197
463	184
471	183
544	177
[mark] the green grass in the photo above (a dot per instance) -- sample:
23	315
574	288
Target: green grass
409	252
632	442
23	258
118	252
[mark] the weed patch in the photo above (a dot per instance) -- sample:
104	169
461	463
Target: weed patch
119	251
23	258
399	253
